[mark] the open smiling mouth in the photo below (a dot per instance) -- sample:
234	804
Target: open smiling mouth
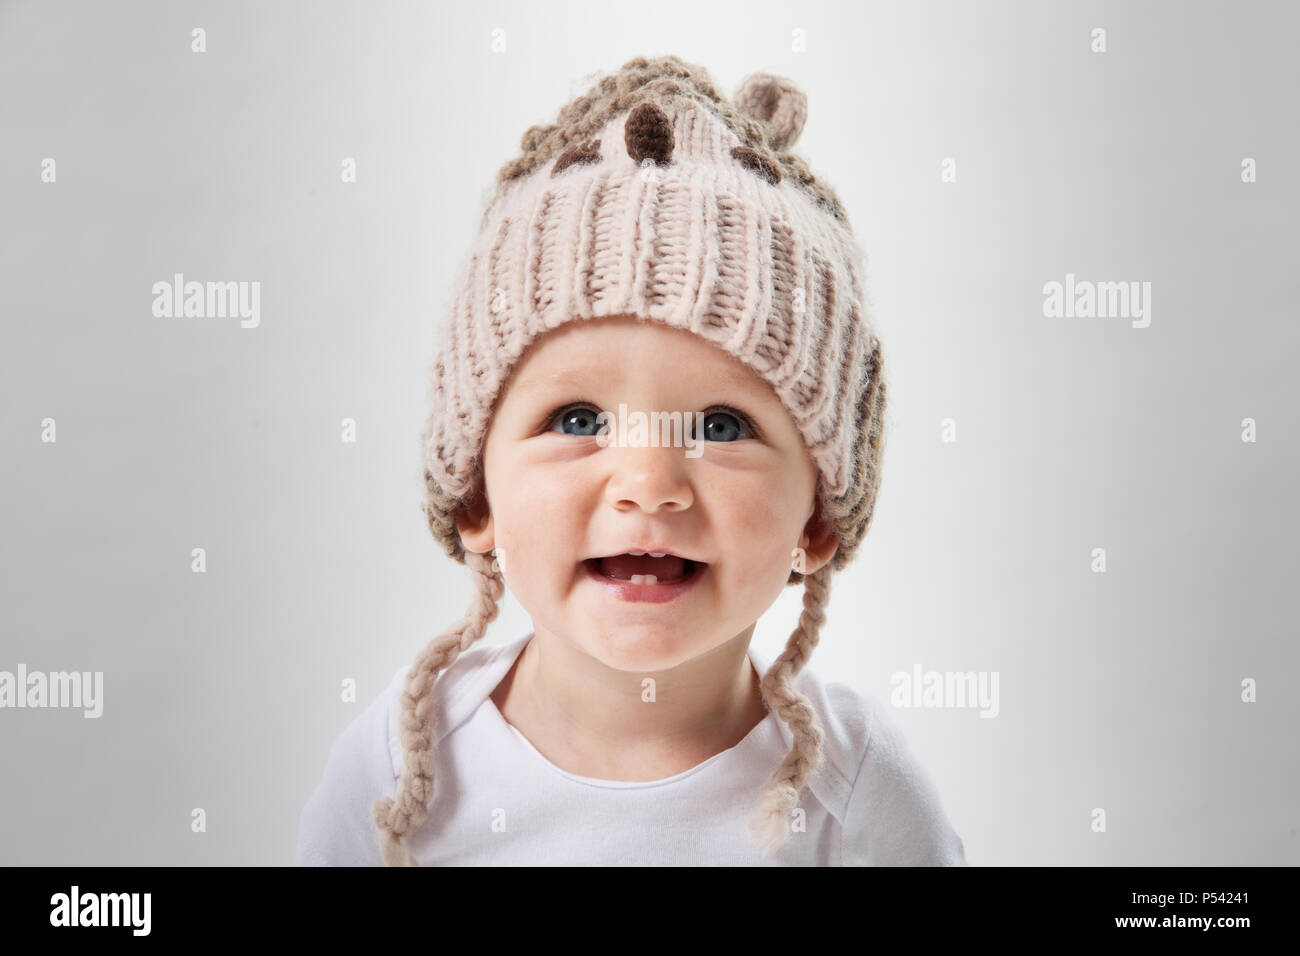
643	577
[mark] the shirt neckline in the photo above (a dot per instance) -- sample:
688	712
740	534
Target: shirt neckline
747	741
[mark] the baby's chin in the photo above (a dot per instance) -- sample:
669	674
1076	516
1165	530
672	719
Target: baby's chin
644	648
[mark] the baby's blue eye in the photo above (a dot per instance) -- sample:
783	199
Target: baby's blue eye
724	426
581	417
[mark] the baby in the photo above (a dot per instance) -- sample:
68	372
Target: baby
659	250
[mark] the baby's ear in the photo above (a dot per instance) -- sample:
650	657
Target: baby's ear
819	541
474	523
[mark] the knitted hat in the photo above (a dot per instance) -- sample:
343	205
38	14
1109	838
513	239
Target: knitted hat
655	196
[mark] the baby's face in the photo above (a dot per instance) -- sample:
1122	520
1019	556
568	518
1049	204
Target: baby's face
557	494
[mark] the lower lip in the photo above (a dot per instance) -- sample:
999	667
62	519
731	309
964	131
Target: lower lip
648	593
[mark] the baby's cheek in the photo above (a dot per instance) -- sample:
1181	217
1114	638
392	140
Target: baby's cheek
768	518
542	543
756	569
761	541
530	507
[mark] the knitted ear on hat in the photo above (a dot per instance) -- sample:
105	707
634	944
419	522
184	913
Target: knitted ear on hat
777	103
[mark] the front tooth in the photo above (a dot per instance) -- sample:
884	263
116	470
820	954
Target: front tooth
636	553
658	555
644	579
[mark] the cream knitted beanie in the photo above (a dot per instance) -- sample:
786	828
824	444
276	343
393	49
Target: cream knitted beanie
653	195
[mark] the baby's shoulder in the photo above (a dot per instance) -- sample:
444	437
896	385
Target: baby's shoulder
365	762
889	807
334	827
457	692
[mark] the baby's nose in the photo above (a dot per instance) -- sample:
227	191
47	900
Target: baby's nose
650	478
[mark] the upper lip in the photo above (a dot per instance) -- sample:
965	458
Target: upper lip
648	549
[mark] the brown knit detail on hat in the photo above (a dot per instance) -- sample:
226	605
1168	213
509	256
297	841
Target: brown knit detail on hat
757	163
440	512
669	83
870	428
588	152
649	135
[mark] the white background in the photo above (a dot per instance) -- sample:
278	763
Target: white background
1118	691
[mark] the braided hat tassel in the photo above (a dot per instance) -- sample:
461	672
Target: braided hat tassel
396	817
781	795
